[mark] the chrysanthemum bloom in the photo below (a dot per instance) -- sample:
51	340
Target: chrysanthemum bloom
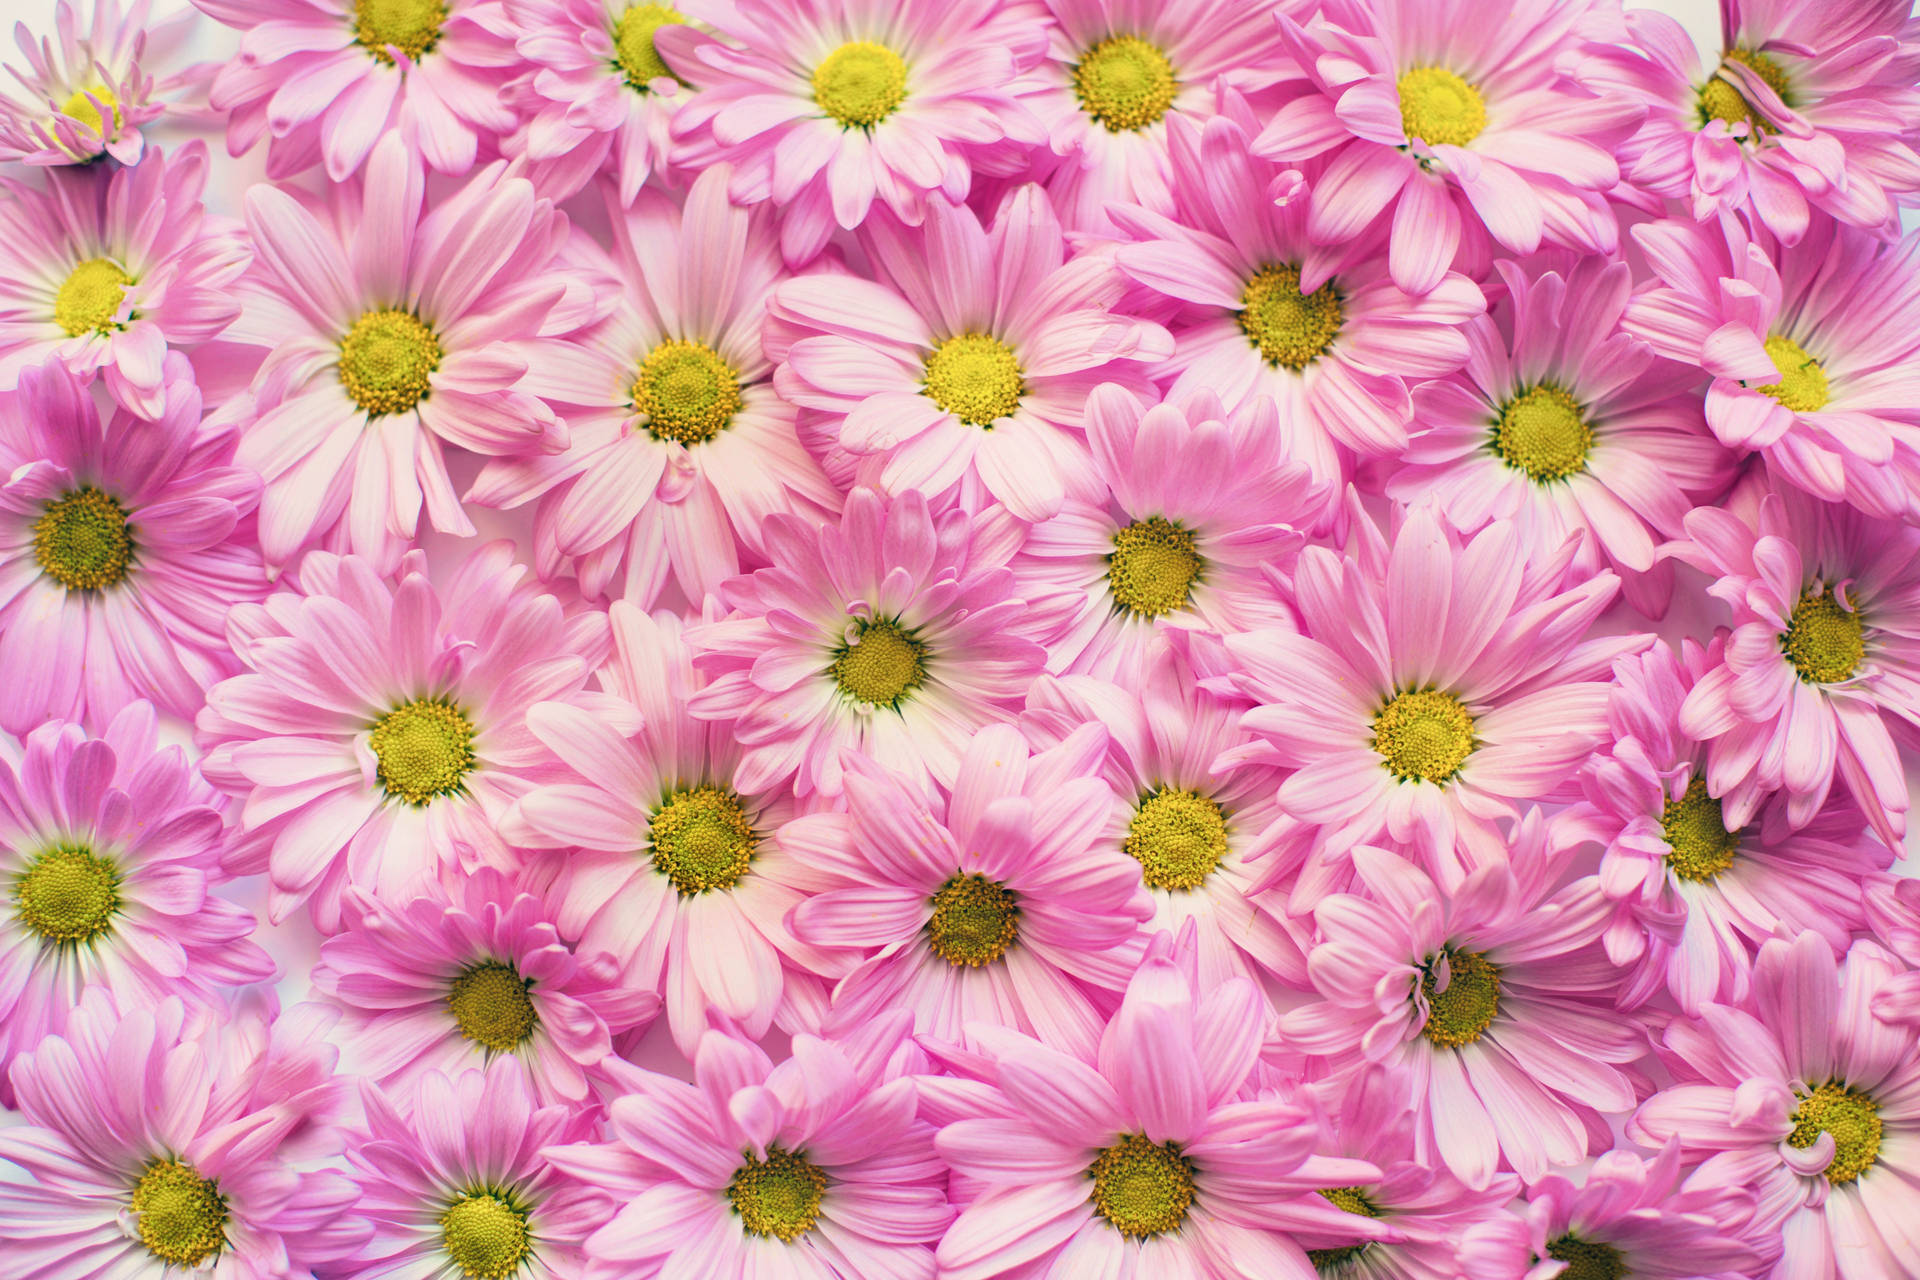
1002	904
669	868
392	332
1810	1101
328	78
817	1166
679	448
1142	1158
1561	422
1265	312
893	632
123	542
1813	351
1824	603
108	849
379	731
453	1178
1433	686
104	268
968	360
825	106
1494	998
1468	123
159	1151
1693	896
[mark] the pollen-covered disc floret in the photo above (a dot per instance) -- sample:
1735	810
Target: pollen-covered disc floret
633	49
1699	845
387	361
180	1216
1125	83
778	1197
860	84
882	664
1721	99
687	392
490	1003
975	377
701	838
1459	1015
1178	836
89	298
1423	735
68	895
1587	1259
81	106
485	1233
1803	381
1142	1188
1543	433
1852	1117
423	750
1291	329
1354	1200
1153	567
82	540
411	26
974	921
1824	640
1440	108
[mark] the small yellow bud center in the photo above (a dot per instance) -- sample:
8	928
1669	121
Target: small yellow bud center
1423	736
1459	1015
490	1003
486	1236
1803	382
82	540
1125	83
633	48
1542	432
423	750
1587	1260
1153	567
882	665
1824	640
68	895
1142	1188
1699	846
387	361
860	84
89	300
1329	1262
1440	108
1852	1117
411	26
1178	837
687	392
1721	98
180	1216
974	921
777	1197
701	839
81	107
1291	329
976	378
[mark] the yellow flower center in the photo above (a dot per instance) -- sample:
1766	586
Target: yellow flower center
1459	1015
387	361
976	378
633	49
486	1236
1291	329
860	84
1423	736
181	1217
1587	1260
701	839
89	300
1440	108
1353	1200
80	107
68	895
1803	383
1852	1117
1178	837
491	1005
974	921
1699	846
411	26
423	750
687	392
1153	567
1142	1188
1824	641
82	540
778	1196
1542	433
883	664
1721	99
1125	83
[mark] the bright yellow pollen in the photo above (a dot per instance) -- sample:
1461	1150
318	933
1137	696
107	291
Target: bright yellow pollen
701	839
1440	108
882	665
1153	567
779	1196
1803	382
387	361
1142	1188
1542	433
1824	641
1699	846
1353	1200
490	1003
1290	328
976	378
860	84
1852	1117
1721	99
1178	837
485	1236
974	921
411	26
1459	1015
633	42
423	750
1125	83
68	895
89	300
1423	736
181	1217
80	107
82	540
1587	1260
686	391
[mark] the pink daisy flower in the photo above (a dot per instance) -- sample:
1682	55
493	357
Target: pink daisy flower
968	360
817	1166
454	1177
104	268
682	878
1470	124
679	448
1002	904
1560	422
123	542
892	632
1813	353
328	78
1494	998
1809	1101
391	332
378	732
156	1152
825	106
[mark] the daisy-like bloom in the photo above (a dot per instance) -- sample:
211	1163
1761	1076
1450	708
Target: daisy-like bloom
1467	123
159	1150
968	360
1561	422
680	876
1810	1101
1001	904
892	632
679	448
1142	1158
108	849
390	333
1433	685
454	1180
1694	893
1812	350
1266	312
1495	999
379	730
817	1166
123	542
103	268
825	106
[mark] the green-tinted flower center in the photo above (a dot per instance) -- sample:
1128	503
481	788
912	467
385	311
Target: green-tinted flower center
181	1216
1459	1015
80	107
881	665
1824	640
687	392
633	47
411	26
68	895
702	839
778	1196
860	84
1721	99
1423	735
1142	1188
1852	1117
1543	433
1178	837
1440	108
1699	846
974	921
1803	383
89	299
1353	1200
490	1003
423	750
976	378
1291	329
82	540
1586	1260
486	1236
1125	83
387	361
1153	567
